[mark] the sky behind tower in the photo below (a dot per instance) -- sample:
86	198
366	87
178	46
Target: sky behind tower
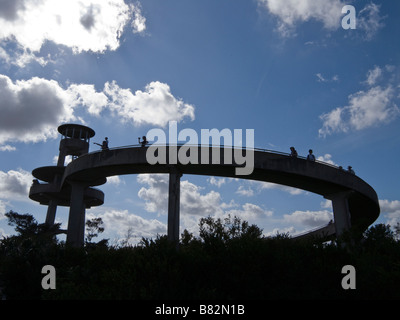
285	68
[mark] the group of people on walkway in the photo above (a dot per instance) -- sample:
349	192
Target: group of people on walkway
104	145
311	157
293	152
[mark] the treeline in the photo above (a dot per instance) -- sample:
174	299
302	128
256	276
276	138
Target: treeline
230	259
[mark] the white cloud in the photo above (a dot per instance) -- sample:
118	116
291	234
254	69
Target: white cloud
326	204
7	148
391	209
15	184
284	230
290	12
119	222
329	12
139	21
216	181
309	218
2	209
269	185
94	25
192	201
369	20
31	110
195	203
373	75
156	195
366	108
372	107
326	158
86	94
155	105
321	78
245	192
115	180
250	211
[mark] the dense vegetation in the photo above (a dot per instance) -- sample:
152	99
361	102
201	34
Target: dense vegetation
230	259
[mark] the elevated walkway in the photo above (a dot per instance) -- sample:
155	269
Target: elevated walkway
355	203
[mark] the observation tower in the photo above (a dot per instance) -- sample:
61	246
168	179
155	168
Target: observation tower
355	204
47	188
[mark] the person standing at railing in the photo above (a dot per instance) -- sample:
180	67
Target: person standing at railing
104	145
310	156
143	142
293	152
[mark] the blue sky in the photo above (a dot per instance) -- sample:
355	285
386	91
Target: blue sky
285	68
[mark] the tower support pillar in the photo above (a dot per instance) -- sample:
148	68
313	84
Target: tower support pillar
174	205
341	212
76	220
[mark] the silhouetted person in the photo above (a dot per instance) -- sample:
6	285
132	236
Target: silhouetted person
293	152
104	145
350	170
310	156
143	142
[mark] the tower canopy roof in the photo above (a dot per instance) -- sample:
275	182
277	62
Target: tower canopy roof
75	131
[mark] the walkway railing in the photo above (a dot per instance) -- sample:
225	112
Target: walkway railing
232	147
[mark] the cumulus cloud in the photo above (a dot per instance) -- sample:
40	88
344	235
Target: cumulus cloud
366	108
139	21
86	94
309	218
123	222
369	20
245	192
217	181
291	12
156	194
15	184
115	180
326	158
391	209
260	185
193	202
373	75
31	110
321	78
250	211
9	9
155	105
94	25
7	148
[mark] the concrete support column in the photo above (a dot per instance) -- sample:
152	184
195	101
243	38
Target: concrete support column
76	220
174	205
52	207
51	212
341	212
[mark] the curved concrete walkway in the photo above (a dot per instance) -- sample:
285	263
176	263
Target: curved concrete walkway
355	203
